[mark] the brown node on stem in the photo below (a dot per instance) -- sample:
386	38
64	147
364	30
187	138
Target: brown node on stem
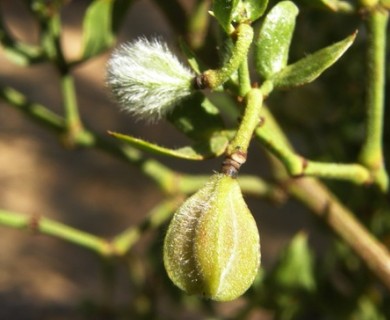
200	82
234	34
33	223
261	121
305	163
232	163
370	180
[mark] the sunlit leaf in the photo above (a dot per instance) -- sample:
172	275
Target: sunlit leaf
274	39
311	67
97	28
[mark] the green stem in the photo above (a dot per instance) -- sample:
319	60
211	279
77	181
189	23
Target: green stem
321	202
241	141
214	78
56	229
168	180
244	79
341	171
124	241
274	140
372	151
50	24
162	175
51	41
19	52
73	122
35	111
250	185
271	136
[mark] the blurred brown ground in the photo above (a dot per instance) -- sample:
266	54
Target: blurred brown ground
43	277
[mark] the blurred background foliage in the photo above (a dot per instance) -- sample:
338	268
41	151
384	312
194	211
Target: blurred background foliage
307	272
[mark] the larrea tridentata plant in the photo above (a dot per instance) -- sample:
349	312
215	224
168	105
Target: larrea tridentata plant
147	79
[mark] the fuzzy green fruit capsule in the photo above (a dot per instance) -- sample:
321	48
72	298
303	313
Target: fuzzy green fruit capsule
212	247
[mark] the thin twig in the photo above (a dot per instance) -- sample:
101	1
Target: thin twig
324	204
49	227
320	200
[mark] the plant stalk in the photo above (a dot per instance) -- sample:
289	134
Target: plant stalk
212	79
72	116
316	197
250	120
274	140
168	180
325	205
372	152
56	229
244	79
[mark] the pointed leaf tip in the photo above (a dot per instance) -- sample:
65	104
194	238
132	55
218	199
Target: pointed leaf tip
312	66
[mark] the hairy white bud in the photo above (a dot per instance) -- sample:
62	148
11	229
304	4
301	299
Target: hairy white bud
147	79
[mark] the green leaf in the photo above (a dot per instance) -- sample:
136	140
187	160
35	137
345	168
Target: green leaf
274	39
311	67
191	58
197	118
332	5
102	19
213	148
294	269
97	28
223	11
249	10
237	11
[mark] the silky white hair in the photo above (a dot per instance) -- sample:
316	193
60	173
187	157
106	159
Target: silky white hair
147	79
